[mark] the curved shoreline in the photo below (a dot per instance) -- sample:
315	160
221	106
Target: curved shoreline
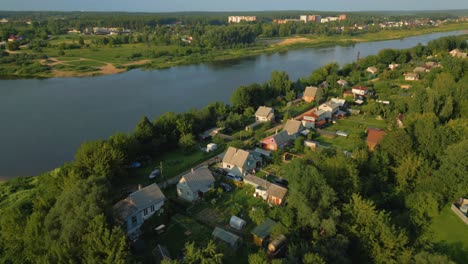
272	45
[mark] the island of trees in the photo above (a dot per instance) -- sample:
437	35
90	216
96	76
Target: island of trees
366	207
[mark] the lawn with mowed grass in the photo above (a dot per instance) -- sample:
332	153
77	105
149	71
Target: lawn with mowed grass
355	126
450	235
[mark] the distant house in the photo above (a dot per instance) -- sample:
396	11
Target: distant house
348	93
194	184
433	64
272	193
410	76
137	207
360	90
420	70
276	141
341	102
330	108
311	144
457	53
374	136
262	232
393	66
239	161
342	82
312	93
293	127
3	20
264	114
13	38
372	70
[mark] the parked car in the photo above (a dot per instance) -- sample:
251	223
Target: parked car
134	165
221	171
281	182
155	173
232	176
226	187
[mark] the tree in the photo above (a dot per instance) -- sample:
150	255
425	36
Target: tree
382	242
258	258
280	83
257	215
312	258
12	45
187	142
208	254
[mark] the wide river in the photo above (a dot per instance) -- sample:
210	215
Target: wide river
42	122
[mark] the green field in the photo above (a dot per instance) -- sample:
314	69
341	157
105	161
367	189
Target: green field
450	235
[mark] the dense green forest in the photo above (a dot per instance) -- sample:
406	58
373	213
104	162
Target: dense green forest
375	207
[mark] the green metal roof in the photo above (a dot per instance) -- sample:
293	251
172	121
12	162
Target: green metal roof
264	229
226	236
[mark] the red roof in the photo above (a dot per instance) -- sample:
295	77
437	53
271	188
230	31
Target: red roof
362	88
375	135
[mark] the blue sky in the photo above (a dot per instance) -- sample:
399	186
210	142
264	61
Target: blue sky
230	5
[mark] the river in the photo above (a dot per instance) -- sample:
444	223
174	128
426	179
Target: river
42	122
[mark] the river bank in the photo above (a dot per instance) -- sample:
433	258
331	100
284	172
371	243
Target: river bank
113	60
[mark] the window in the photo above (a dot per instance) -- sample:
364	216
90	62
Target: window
229	166
152	208
134	220
145	212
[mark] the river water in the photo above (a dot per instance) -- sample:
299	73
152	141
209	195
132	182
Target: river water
42	122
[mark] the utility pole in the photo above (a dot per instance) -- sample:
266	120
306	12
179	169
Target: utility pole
161	168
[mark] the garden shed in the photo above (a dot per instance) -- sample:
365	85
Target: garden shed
237	223
228	237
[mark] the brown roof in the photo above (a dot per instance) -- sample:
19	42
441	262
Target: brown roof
277	191
375	135
264	111
139	200
236	157
311	91
293	126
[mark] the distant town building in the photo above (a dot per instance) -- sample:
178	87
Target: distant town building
342	17
411	76
238	19
3	20
310	18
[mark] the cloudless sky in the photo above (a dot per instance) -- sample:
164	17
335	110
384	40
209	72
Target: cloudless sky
229	5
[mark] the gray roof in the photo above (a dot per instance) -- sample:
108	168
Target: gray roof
311	91
226	236
264	111
264	229
200	179
236	157
281	138
139	200
293	126
419	69
255	181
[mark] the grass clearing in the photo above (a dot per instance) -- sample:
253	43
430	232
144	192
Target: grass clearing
450	235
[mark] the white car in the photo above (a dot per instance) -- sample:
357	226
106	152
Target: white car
155	173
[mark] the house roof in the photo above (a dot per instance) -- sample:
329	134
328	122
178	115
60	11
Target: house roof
226	236
264	229
256	180
311	91
340	102
360	88
342	82
419	69
411	75
293	126
236	157
375	135
139	200
277	191
280	138
199	179
264	111
372	69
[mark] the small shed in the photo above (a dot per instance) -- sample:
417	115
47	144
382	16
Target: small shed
237	223
262	232
211	147
227	237
277	245
342	133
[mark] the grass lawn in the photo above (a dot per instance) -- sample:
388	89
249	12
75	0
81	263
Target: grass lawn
355	126
450	235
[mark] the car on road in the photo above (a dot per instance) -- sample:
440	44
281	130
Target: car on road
226	187
155	173
232	176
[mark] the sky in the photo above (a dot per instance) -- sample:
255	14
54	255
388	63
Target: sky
229	5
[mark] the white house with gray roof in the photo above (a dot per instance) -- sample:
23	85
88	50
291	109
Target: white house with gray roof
194	184
264	114
132	211
239	161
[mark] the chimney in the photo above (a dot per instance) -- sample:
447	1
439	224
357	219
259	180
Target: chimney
276	131
139	186
192	170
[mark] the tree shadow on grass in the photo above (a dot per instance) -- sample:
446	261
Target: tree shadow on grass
457	251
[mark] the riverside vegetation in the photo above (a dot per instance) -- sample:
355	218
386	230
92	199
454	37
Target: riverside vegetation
161	41
376	207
